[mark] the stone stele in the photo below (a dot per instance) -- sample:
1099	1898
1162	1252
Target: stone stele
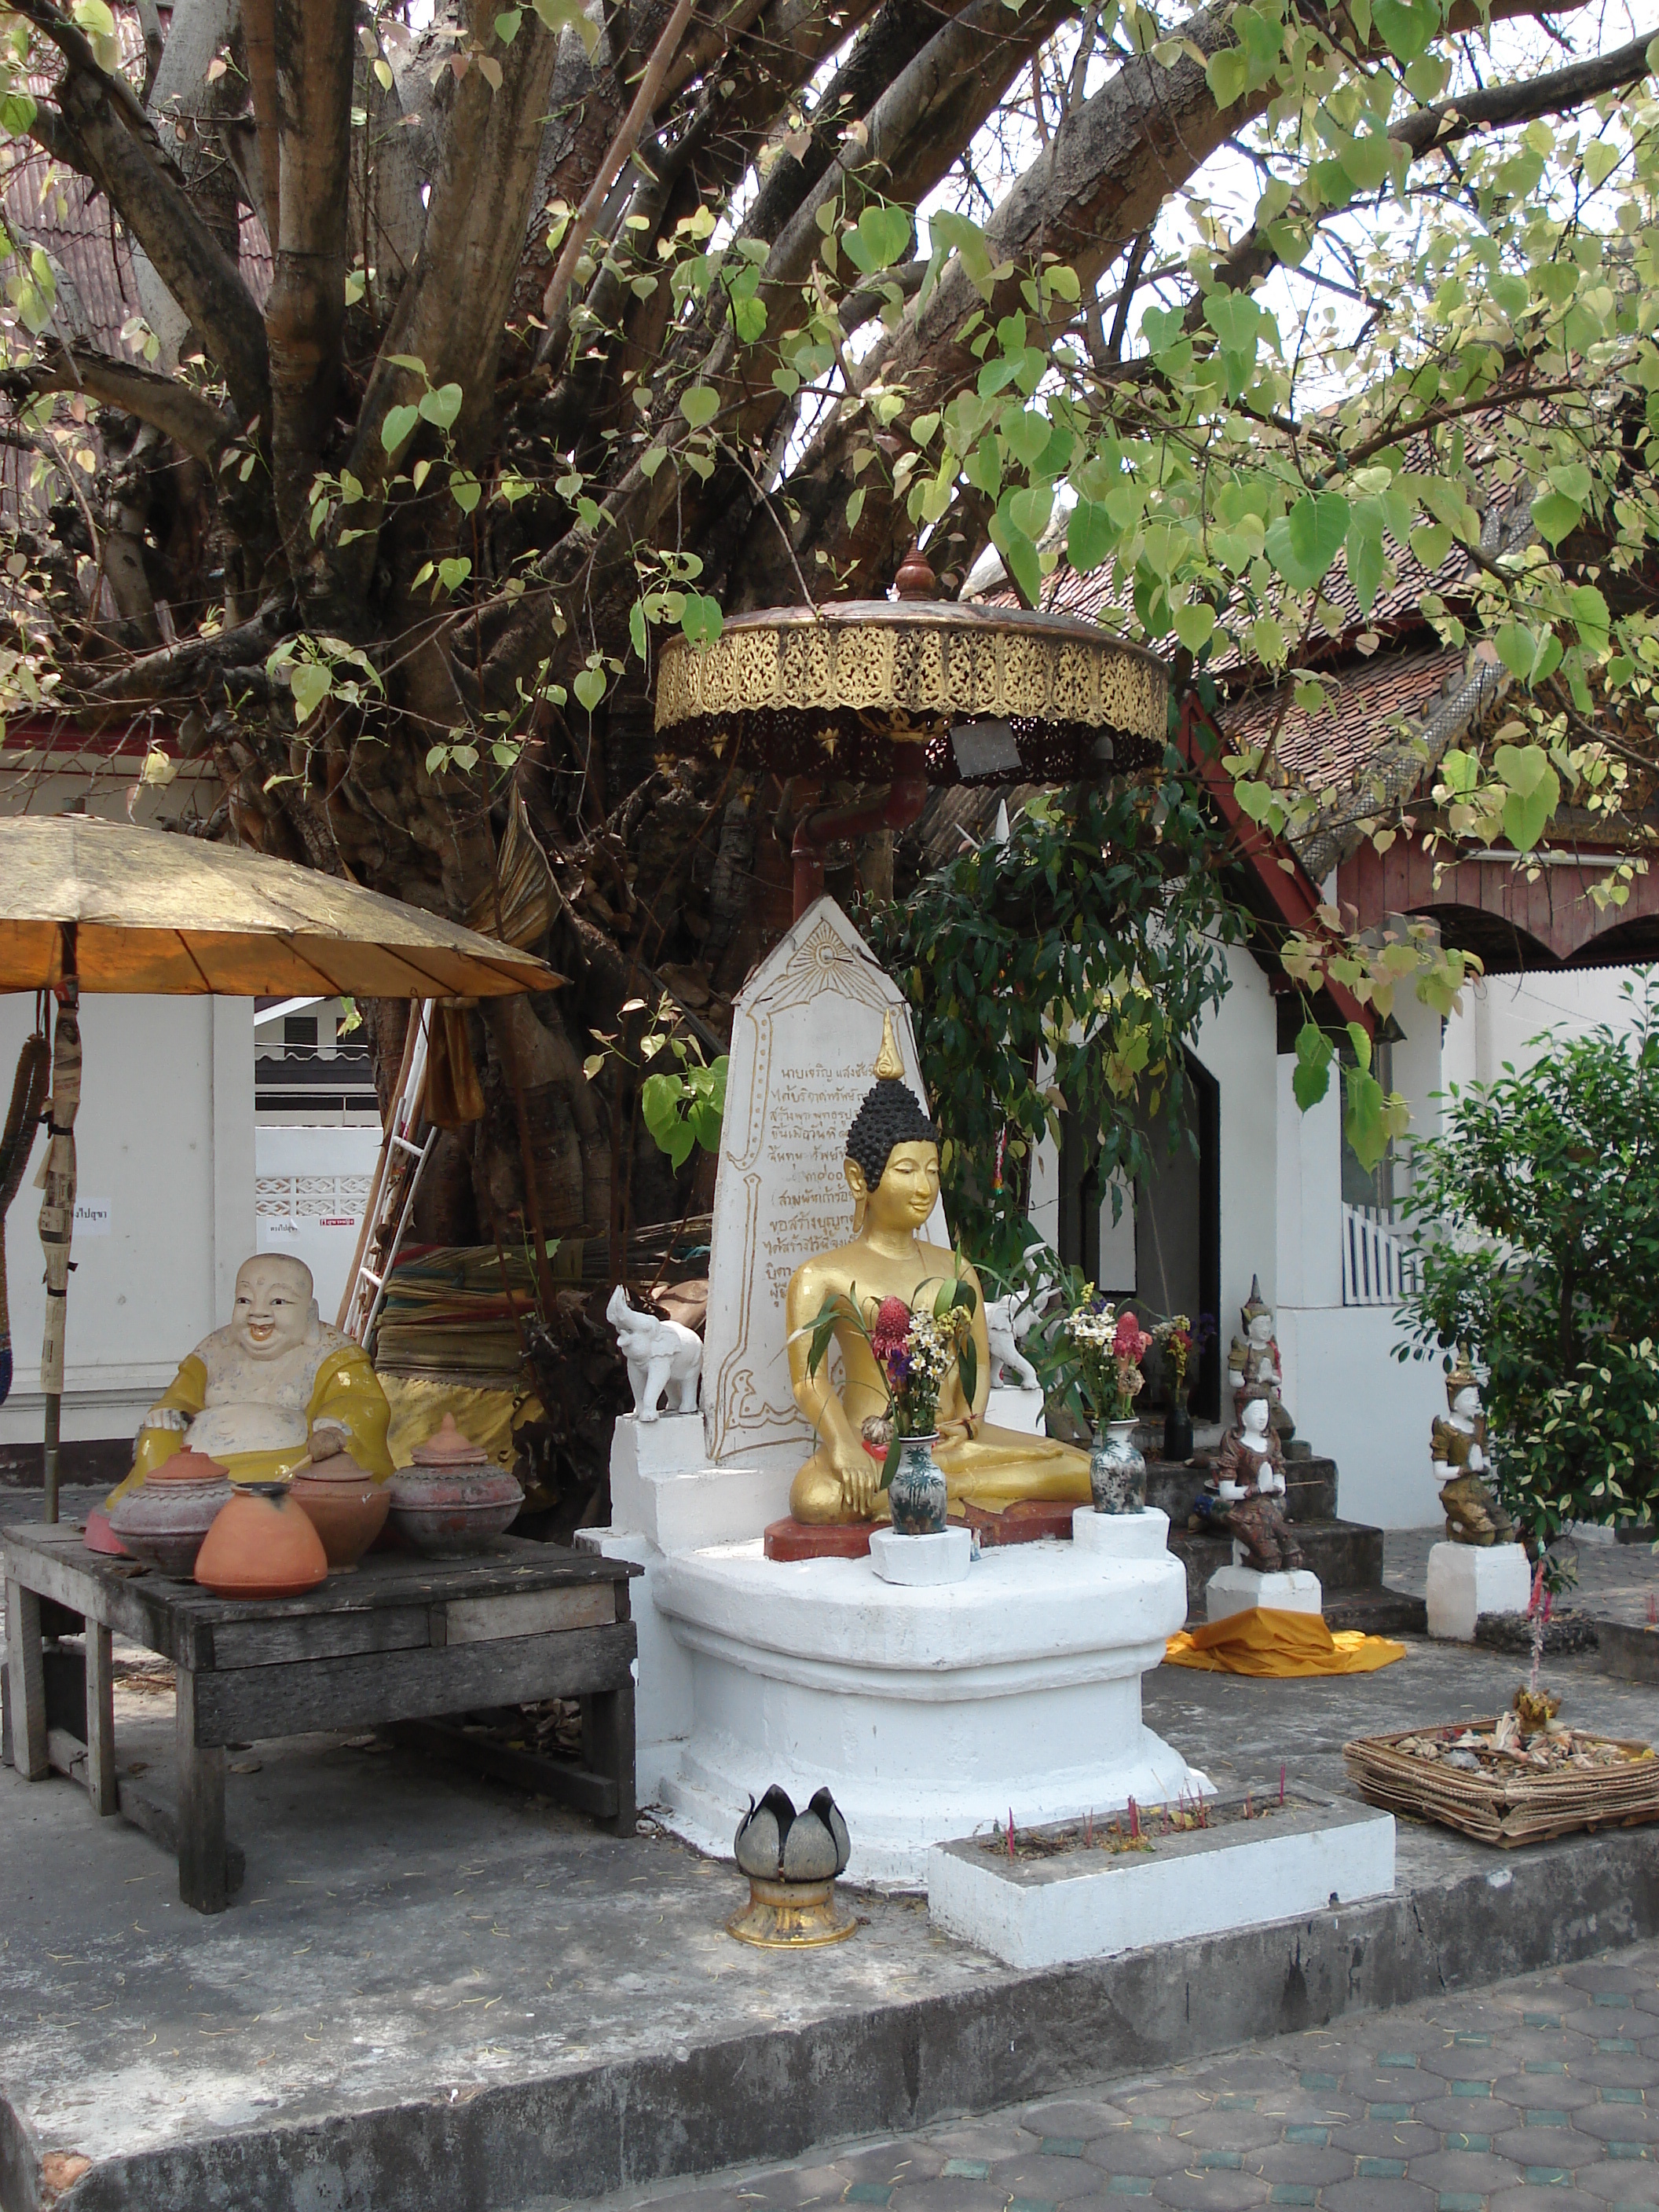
805	1031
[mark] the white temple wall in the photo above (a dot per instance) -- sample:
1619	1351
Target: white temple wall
164	1144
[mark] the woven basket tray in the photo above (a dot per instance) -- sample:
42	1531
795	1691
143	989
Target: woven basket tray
1505	1810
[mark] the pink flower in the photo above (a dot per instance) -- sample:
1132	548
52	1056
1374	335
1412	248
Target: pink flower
1131	1340
892	1327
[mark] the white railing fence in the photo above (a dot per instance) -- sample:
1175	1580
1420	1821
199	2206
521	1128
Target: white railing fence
1379	1266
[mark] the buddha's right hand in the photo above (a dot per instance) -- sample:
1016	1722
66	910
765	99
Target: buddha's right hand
165	1417
858	1485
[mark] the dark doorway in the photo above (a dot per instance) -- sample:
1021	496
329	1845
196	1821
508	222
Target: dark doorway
1177	1223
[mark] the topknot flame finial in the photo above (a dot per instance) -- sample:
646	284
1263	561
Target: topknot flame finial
889	1068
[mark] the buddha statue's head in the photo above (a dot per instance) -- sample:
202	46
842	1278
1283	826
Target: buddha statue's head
892	1150
276	1310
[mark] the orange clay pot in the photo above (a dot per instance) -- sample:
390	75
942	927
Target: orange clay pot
262	1545
164	1520
345	1506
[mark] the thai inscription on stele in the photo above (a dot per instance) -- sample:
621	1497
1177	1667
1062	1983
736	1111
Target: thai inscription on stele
806	1029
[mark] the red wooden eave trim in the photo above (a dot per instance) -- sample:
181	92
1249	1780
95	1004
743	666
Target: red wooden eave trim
1291	891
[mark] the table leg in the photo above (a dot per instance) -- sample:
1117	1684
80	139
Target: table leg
100	1721
203	1875
608	1748
27	1681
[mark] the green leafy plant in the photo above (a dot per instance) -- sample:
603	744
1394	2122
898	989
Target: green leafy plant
1536	1216
1061	970
684	1103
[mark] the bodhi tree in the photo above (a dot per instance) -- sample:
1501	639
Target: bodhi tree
587	320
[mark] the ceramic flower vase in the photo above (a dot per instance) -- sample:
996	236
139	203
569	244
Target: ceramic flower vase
1117	1473
917	1493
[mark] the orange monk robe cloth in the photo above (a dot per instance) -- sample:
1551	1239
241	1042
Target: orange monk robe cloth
1265	1641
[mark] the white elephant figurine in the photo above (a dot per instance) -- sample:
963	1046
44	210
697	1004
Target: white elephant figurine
661	1355
1005	1320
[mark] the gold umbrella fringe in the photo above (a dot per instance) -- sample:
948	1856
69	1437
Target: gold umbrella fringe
864	748
928	671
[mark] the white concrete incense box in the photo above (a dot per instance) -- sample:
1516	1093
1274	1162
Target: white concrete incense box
1466	1580
1312	1854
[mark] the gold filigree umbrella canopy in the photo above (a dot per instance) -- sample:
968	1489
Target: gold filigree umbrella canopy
909	693
92	906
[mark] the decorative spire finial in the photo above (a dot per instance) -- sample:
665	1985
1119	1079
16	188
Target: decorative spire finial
890	1067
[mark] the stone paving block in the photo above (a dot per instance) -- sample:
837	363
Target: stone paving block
1387	2138
1607	2070
1459	2200
1302	2162
1557	2092
1130	2185
1463	2139
1358	2196
1616	2096
1606	1977
1630	2123
966	2169
795	2187
1307	2132
1062	2146
1288	2192
1135	2151
891	2162
1542	2147
1069	2116
1169	2100
1627	2185
1530	2196
1210	2191
941	2196
1472	2172
1476	2115
1231	2130
990	2139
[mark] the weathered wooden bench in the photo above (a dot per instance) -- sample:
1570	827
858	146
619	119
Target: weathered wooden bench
401	1640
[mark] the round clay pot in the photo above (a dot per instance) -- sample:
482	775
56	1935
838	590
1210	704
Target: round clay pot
452	1501
262	1545
164	1520
99	1536
345	1506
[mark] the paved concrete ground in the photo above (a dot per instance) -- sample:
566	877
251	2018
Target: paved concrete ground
1476	2104
412	1943
1615	1580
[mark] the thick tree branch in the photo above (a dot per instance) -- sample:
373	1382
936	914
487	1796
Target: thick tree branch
305	315
92	135
190	421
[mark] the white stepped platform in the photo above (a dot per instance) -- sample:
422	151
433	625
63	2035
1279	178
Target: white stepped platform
927	1711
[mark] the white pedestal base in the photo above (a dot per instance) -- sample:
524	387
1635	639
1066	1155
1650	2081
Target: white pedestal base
1143	1535
921	1562
1236	1589
928	1712
1466	1580
662	1488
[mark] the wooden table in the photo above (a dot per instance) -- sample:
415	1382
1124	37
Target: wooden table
400	1640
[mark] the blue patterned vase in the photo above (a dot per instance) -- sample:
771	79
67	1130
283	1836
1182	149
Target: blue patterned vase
917	1493
1117	1473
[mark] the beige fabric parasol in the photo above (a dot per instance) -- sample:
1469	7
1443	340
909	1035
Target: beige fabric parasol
155	912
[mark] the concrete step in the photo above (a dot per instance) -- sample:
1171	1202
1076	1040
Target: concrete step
1345	1555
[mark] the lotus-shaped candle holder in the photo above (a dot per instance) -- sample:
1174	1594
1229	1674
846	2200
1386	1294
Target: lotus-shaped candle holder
792	1860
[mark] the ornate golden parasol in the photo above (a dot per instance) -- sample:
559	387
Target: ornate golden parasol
911	692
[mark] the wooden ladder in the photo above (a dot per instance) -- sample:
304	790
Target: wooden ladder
396	1181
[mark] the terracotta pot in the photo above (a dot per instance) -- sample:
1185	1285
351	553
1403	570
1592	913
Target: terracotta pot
345	1506
99	1536
262	1545
164	1522
452	1501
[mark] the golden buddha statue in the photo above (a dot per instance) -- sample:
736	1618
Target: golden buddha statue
256	1393
892	1171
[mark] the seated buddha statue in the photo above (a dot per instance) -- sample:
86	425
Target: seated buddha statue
254	1393
892	1171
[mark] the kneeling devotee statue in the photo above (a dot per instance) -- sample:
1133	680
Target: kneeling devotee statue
1462	1467
1245	1495
892	1171
255	1394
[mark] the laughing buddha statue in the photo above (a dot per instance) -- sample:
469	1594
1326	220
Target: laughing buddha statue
892	1171
252	1395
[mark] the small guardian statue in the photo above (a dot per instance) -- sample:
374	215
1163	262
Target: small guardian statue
1252	1363
1462	1465
1245	1495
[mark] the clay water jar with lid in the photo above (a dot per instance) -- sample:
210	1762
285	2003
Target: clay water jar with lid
164	1520
454	1500
345	1504
262	1545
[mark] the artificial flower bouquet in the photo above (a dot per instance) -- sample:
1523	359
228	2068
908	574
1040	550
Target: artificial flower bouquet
1108	1347
913	1346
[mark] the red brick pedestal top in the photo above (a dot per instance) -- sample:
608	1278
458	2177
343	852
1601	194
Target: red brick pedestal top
802	1540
